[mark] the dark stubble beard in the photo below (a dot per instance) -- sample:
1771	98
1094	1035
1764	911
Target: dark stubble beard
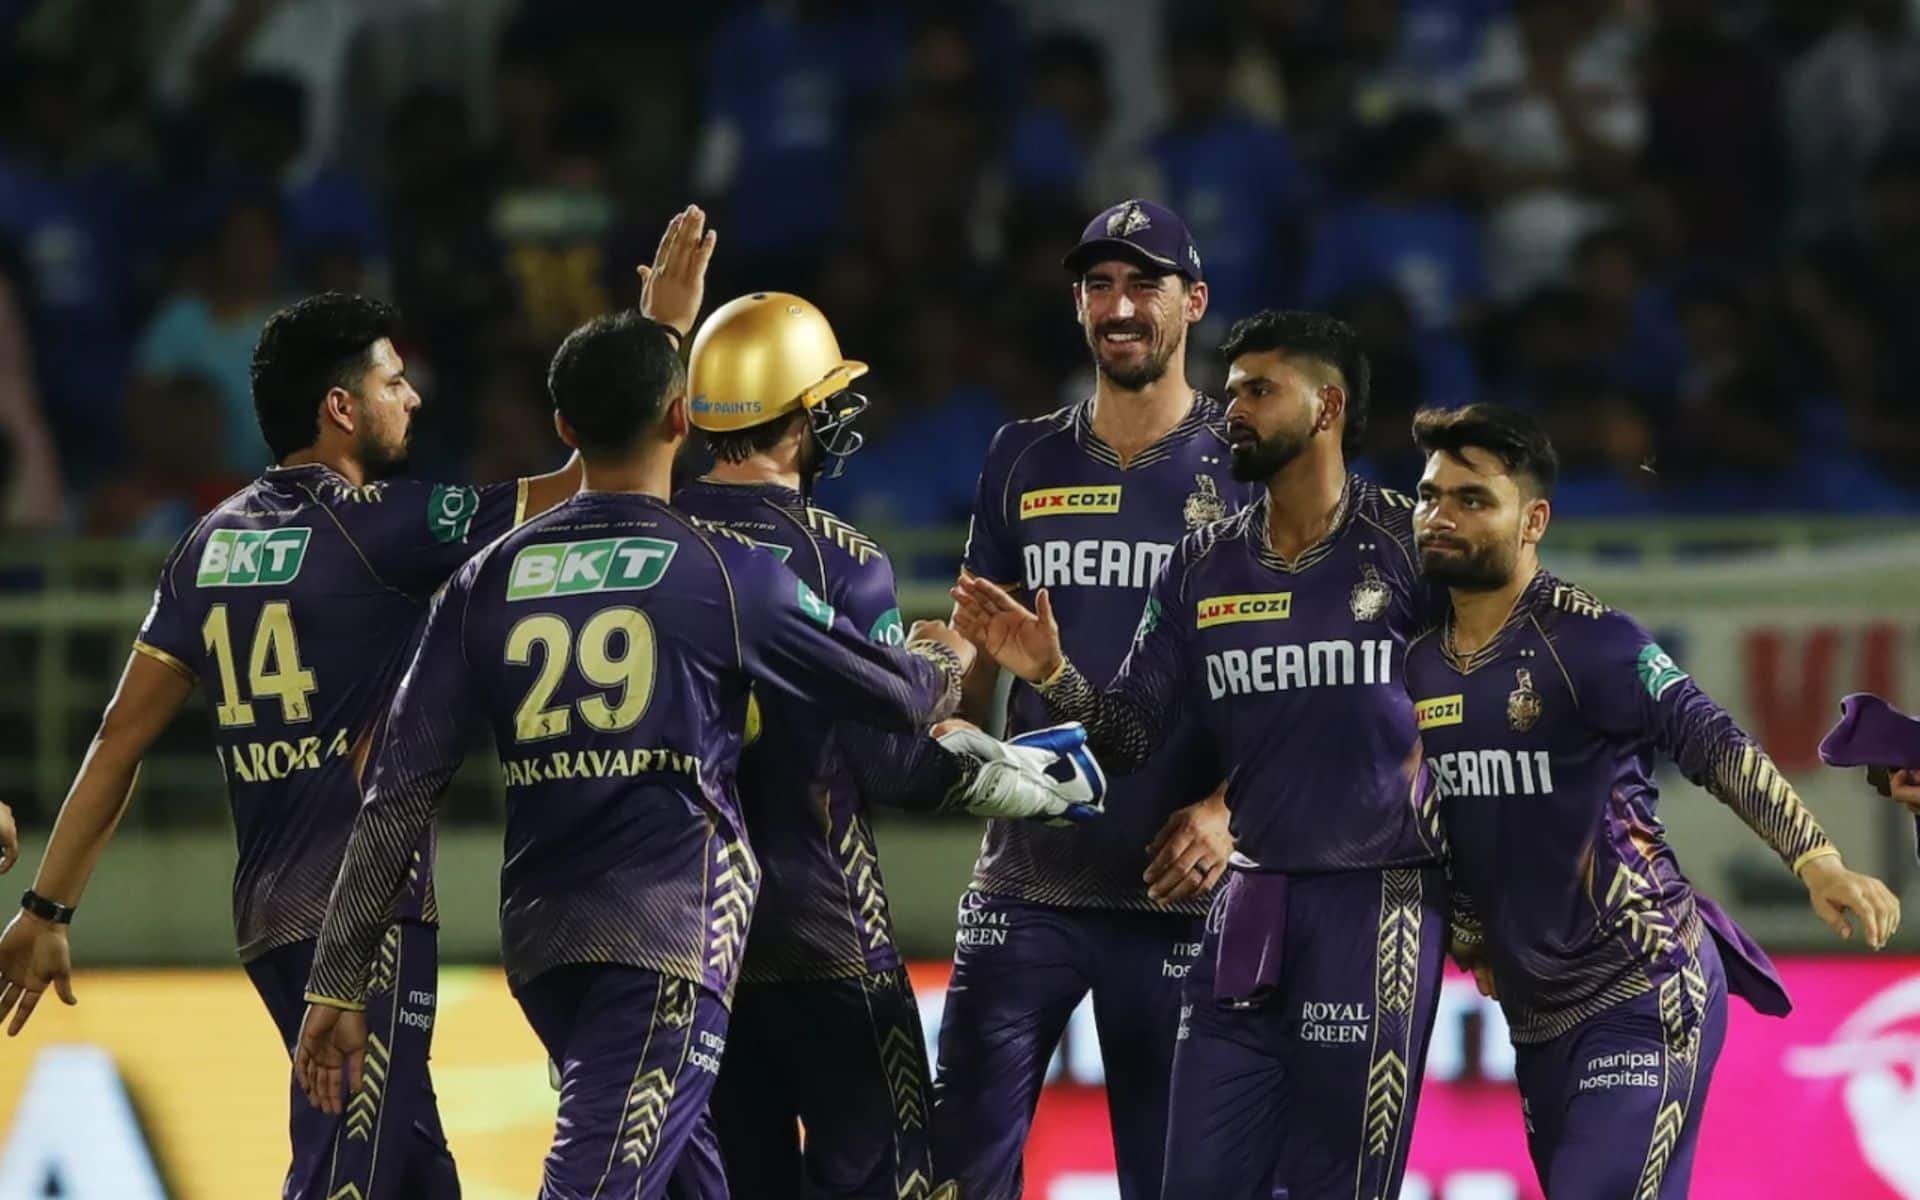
1267	457
1484	568
1142	375
383	461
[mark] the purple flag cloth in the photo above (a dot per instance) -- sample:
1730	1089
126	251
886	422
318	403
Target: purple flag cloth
1253	926
1751	975
1871	733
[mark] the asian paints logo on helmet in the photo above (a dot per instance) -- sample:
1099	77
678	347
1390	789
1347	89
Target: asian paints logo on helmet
571	568
725	408
252	557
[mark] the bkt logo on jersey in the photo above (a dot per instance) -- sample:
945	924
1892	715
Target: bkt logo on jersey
570	568
252	557
1262	606
1070	501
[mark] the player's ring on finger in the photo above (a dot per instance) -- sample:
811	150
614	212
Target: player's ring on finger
1200	869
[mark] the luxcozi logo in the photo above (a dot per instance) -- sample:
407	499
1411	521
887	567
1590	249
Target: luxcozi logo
1225	610
1439	711
1060	502
252	557
570	568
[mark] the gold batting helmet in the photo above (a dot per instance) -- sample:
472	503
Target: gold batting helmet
760	357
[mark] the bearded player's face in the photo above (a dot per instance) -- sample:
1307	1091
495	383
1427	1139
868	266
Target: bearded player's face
385	408
1471	520
1275	412
1135	320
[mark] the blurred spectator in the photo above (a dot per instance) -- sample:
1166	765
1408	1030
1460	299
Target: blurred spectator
209	327
308	40
926	432
553	228
1848	95
1406	228
784	84
30	491
1553	107
168	481
78	234
1236	183
1714	141
1636	333
1734	432
1063	125
512	420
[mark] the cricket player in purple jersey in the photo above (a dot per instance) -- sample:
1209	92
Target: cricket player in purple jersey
1543	712
297	599
609	646
1088	502
1304	1023
825	1030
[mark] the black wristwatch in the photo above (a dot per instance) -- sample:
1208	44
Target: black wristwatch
45	909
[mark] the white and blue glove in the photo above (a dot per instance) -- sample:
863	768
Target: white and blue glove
1047	775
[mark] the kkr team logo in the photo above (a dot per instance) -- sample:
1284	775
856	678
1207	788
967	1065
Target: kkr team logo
450	512
571	568
1370	595
252	557
1229	610
1128	221
1523	703
1204	505
1098	500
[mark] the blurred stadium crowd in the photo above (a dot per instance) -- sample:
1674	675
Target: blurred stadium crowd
1687	232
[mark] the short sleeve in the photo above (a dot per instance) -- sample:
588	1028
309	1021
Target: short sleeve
418	534
992	553
168	635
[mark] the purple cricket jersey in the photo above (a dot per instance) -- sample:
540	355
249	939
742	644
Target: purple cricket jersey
1543	745
1296	669
609	645
1057	510
296	601
823	905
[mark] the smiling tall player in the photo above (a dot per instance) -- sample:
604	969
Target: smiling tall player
1089	502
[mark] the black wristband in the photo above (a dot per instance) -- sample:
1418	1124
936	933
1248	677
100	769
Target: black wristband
45	909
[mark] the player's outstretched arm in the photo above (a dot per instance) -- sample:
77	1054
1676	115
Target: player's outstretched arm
1124	722
33	951
1713	751
416	752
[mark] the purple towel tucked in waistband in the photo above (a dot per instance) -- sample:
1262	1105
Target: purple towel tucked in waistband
1252	929
1871	733
1751	975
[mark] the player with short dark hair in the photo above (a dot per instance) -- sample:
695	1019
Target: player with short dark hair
1304	1023
1543	712
825	1029
1088	502
296	600
610	645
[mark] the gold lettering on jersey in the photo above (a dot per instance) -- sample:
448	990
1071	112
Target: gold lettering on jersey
1261	606
272	761
558	766
1070	501
1439	711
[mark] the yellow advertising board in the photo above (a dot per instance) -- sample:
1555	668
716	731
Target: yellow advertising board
209	1082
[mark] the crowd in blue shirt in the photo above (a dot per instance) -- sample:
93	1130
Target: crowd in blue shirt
1663	227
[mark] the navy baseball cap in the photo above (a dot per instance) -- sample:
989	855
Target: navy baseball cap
1138	231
